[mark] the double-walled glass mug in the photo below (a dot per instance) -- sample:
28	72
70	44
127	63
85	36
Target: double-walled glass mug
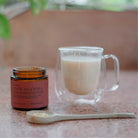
80	74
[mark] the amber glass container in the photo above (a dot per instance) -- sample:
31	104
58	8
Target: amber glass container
29	88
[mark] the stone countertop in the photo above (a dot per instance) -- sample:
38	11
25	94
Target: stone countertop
13	123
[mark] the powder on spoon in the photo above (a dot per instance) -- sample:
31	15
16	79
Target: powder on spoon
40	115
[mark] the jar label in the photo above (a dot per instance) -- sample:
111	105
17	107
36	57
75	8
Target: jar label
30	94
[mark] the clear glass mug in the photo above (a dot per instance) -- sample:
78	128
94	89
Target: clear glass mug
80	74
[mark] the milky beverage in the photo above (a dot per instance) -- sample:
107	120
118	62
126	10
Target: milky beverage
80	74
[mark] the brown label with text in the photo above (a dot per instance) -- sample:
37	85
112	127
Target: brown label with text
33	94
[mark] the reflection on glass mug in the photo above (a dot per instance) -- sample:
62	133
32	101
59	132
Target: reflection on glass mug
80	74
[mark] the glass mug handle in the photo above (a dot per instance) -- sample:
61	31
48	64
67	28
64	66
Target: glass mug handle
116	71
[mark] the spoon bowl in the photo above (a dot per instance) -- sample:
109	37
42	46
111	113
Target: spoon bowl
36	116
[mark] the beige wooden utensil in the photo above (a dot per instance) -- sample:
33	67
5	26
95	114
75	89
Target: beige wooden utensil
44	117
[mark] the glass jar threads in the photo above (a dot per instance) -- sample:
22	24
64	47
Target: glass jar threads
29	88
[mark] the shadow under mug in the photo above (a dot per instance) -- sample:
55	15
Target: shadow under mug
80	75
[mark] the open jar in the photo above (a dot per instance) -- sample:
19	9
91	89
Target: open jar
29	88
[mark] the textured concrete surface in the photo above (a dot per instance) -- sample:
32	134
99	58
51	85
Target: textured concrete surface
13	123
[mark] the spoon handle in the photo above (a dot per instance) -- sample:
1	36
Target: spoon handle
88	116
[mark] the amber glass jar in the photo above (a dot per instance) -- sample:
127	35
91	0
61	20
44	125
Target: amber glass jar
29	88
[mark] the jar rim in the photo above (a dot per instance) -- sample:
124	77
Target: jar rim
29	71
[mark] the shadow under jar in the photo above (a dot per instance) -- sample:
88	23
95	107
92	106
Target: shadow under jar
29	88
